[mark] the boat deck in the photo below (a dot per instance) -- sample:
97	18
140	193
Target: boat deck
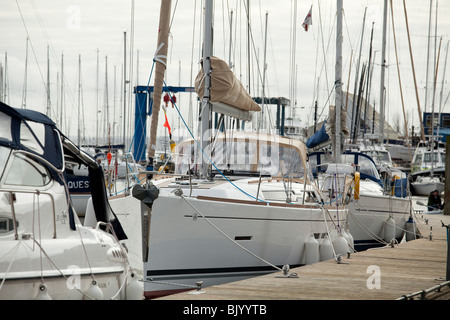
386	273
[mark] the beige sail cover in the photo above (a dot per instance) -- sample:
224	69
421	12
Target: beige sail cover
225	87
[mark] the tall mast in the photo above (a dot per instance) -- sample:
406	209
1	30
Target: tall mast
124	86
383	69
263	94
206	105
48	80
428	55
79	100
338	84
25	80
443	79
353	119
106	98
422	133
62	93
160	67
97	113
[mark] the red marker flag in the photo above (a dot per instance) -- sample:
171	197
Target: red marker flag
308	20
166	124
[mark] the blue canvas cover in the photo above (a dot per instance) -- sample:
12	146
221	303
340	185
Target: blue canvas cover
317	138
30	131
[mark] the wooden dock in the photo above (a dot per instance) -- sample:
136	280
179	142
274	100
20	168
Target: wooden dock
386	273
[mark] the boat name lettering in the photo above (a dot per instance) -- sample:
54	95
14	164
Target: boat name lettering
78	184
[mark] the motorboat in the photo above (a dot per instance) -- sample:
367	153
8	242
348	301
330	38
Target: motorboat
46	252
428	168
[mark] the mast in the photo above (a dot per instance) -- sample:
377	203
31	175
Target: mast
25	80
62	92
124	86
368	82
79	99
383	69
206	105
106	98
443	79
422	133
432	111
48	80
97	122
354	119
428	55
338	84
160	67
263	94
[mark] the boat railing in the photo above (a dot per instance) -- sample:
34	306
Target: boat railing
11	196
422	295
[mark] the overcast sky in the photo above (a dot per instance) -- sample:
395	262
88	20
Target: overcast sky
79	28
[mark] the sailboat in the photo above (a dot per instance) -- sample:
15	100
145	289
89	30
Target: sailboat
46	252
216	221
378	213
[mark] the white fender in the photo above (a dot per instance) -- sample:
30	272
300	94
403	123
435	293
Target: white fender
311	250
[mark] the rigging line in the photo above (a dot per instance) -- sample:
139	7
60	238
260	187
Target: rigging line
56	60
173	15
207	157
190	114
32	47
47	38
253	44
16	247
323	48
325	104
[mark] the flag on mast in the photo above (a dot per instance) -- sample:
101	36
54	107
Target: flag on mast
308	20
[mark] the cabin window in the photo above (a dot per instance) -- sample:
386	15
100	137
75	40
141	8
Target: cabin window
6	225
446	121
34	139
5	127
417	160
25	171
436	157
4	154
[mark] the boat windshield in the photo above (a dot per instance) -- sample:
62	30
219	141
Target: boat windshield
365	166
377	155
437	157
319	163
23	171
245	157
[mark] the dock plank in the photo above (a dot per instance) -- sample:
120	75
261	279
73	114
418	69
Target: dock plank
403	269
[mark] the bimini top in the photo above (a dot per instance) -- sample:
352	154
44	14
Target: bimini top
31	131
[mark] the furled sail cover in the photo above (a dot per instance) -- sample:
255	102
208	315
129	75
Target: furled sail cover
330	126
225	87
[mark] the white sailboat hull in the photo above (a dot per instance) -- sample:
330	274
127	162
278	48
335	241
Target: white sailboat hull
66	274
368	215
207	243
423	186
